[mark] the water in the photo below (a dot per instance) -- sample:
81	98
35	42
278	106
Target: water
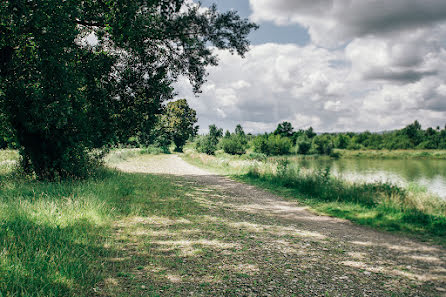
427	173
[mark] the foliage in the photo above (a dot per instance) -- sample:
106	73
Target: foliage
63	96
272	145
179	120
322	145
208	143
284	129
236	143
303	145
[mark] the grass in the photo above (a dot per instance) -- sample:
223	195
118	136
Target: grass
55	238
380	205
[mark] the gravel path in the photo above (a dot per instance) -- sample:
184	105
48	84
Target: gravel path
287	250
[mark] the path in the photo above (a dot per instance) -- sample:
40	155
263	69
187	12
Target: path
274	247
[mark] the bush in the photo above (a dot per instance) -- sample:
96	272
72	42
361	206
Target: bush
272	145
303	145
233	146
208	143
205	144
322	145
257	156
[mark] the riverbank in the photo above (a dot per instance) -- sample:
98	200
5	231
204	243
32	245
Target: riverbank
394	154
380	205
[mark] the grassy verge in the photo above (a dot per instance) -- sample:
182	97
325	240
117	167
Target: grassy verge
56	239
395	154
380	205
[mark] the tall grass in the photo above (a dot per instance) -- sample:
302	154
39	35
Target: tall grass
56	237
394	207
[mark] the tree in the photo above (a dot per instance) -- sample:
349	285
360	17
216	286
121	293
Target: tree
310	133
180	119
239	131
236	143
284	129
63	96
303	145
208	143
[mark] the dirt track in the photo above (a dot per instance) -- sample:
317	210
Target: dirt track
282	249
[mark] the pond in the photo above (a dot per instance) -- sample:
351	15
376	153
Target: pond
427	173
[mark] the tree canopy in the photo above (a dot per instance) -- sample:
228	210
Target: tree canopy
77	75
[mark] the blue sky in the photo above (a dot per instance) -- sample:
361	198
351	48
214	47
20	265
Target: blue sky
335	65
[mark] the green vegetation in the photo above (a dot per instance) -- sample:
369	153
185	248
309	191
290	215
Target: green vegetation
179	120
64	98
234	143
56	239
409	142
208	143
272	145
394	154
381	205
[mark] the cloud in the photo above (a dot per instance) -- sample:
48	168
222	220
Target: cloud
384	40
370	65
312	86
336	21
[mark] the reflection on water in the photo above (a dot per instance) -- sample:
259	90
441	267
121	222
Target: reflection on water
428	173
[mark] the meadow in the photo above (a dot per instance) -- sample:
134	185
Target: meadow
56	237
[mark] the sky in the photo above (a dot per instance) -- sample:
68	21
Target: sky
335	65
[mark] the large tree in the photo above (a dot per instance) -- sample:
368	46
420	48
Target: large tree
78	75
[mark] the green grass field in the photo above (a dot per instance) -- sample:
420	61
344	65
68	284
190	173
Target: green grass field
55	238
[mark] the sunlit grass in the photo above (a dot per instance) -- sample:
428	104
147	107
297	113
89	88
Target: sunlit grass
55	237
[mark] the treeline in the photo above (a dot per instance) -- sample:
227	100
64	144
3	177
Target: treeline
284	140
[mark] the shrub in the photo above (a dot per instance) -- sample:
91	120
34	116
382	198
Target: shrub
303	145
322	145
272	145
206	145
234	145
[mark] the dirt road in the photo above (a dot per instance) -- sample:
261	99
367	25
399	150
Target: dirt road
261	244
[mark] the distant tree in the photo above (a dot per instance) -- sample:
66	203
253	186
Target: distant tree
303	145
322	145
208	143
236	143
239	130
414	133
342	141
180	122
310	133
284	129
227	134
272	145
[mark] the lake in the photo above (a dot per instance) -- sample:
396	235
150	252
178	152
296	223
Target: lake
428	173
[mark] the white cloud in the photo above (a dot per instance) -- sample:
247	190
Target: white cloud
311	86
371	65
